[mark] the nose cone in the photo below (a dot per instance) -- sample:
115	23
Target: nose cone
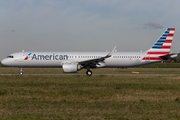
4	62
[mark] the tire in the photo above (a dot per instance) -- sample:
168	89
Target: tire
89	72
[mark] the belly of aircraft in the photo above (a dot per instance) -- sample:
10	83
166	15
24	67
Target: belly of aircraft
123	63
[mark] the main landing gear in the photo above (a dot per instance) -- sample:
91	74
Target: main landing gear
21	71
89	72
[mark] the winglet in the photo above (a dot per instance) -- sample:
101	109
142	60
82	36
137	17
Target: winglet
110	54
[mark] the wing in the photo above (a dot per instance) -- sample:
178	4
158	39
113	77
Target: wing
93	62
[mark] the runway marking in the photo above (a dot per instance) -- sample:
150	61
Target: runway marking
135	72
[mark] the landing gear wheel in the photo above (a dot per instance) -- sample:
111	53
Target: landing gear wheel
88	72
21	71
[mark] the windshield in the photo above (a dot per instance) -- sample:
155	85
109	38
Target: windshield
10	56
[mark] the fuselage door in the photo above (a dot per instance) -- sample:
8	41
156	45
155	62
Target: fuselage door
20	57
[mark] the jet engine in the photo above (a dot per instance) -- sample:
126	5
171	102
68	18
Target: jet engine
71	67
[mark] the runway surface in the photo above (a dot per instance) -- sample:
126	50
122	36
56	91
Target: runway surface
94	74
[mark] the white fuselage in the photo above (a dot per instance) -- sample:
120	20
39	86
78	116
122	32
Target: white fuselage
56	59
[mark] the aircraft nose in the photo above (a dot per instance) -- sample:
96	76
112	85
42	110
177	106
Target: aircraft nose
4	62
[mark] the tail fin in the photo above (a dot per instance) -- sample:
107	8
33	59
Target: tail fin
162	46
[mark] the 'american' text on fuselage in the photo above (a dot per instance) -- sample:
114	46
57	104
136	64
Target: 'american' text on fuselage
49	57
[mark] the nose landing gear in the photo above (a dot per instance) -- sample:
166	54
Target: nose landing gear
89	72
21	71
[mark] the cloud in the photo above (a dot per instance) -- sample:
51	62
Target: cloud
152	25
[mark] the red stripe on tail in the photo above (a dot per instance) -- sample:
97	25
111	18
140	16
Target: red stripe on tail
165	47
170	35
168	41
158	53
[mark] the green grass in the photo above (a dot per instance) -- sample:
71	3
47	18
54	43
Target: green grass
96	97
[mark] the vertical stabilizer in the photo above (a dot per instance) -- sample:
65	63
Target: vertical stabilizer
161	47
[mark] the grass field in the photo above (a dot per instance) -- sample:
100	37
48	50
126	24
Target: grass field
96	97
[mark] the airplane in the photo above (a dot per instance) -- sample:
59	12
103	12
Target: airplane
71	62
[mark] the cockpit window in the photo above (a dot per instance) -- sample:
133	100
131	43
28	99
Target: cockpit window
10	56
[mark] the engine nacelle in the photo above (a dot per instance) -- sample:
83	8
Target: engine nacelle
71	67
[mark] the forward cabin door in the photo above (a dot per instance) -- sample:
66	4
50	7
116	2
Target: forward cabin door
20	58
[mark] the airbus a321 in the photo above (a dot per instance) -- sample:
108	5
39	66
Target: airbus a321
71	62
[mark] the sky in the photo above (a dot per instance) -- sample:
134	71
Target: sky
85	25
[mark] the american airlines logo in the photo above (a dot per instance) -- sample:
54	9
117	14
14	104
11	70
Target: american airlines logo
27	56
49	57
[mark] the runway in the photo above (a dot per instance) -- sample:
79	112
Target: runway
92	75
